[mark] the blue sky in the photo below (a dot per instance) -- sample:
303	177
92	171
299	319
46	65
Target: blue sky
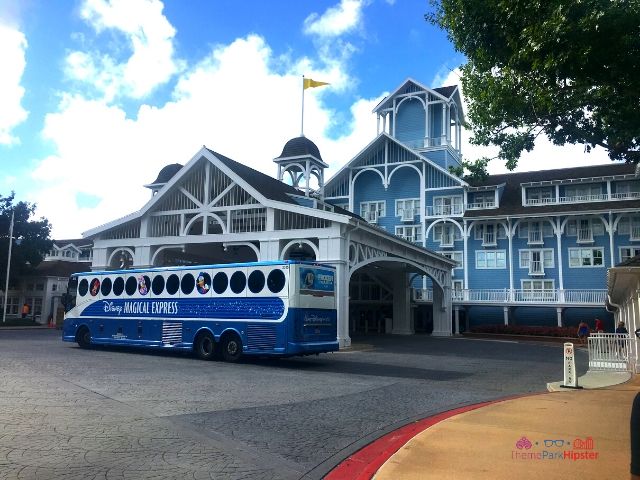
97	95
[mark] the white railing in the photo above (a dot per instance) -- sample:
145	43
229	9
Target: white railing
504	295
585	235
444	210
536	267
417	237
489	239
481	205
635	232
535	237
611	352
603	197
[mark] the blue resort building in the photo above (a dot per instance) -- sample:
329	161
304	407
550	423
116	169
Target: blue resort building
531	248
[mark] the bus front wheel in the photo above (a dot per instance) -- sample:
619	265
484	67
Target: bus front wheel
231	348
204	346
83	337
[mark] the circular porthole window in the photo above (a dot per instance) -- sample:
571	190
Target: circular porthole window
256	281
95	287
276	281
157	285
118	286
173	283
105	289
131	286
83	287
187	284
238	282
220	282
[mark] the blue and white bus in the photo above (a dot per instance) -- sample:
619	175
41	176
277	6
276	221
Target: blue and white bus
264	308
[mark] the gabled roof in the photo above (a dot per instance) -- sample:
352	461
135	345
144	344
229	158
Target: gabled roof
511	199
445	93
263	188
380	138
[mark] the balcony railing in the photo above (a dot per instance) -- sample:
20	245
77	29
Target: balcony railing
506	296
489	239
535	237
635	233
444	210
481	205
536	267
603	197
585	235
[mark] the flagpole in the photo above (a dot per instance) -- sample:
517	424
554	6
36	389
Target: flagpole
6	283
302	116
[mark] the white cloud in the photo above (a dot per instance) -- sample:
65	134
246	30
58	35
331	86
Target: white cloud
12	58
231	101
335	21
150	38
544	156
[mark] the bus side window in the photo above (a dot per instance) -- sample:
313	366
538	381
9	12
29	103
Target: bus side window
69	298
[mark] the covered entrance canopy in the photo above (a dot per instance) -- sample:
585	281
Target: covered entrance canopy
216	210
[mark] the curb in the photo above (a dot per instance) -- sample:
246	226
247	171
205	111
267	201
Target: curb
363	464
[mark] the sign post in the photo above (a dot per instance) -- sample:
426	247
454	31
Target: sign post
570	374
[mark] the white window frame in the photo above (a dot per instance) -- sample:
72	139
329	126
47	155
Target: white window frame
542	281
633	251
403	204
482	200
539	195
379	206
411	233
584	192
525	257
451	201
580	257
529	292
491	253
455	255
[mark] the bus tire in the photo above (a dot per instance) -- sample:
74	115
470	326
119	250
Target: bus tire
83	337
231	348
204	346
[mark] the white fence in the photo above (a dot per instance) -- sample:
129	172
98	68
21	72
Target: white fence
492	296
611	352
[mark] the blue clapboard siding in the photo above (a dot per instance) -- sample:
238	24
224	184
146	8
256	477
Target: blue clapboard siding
410	121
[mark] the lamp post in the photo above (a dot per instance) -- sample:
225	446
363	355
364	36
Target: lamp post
6	283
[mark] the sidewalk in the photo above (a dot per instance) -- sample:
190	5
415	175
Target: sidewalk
586	433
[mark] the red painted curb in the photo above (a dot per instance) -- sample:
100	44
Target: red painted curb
363	464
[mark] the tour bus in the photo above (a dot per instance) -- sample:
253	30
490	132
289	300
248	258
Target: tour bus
280	308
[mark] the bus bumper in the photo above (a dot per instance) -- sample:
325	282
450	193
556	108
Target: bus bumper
310	348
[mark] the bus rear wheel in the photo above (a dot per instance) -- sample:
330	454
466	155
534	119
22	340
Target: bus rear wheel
231	348
83	337
204	346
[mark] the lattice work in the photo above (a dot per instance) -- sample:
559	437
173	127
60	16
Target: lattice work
218	182
294	221
339	187
129	230
248	220
373	156
164	226
175	200
236	196
194	183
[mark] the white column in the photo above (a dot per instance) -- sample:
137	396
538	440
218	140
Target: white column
377	124
465	254
505	313
442	310
510	238
457	317
611	232
427	123
342	304
444	121
401	304
558	232
559	316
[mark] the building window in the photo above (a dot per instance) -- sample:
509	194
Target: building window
538	290
627	253
491	259
446	234
371	211
585	229
630	226
489	233
483	200
540	195
537	260
411	233
407	209
447	205
586	257
13	305
455	256
584	193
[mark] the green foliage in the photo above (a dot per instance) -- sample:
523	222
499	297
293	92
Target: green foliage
32	238
566	69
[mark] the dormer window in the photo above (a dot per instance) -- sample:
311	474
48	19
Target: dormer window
482	200
540	195
583	193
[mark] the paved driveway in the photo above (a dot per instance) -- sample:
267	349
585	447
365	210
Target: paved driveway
119	414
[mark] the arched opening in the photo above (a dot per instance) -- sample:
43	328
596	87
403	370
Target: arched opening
302	250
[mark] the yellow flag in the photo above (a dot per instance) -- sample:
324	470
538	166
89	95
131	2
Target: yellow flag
308	83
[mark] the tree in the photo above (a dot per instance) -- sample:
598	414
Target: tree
566	69
32	239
